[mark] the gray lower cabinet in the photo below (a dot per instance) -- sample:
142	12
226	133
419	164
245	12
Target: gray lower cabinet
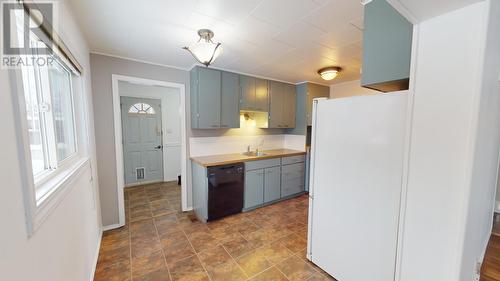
292	179
270	180
272	184
254	188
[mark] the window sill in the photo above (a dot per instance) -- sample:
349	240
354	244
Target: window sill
59	187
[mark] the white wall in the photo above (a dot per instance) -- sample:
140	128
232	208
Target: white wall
484	166
443	136
171	122
349	89
65	246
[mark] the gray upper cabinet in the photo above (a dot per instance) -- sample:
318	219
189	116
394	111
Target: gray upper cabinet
289	106
247	99
254	94
387	41
282	100
215	99
230	102
209	98
276	101
314	91
261	95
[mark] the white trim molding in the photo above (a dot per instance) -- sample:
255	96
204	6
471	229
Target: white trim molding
118	137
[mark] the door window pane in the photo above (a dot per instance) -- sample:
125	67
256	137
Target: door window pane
62	111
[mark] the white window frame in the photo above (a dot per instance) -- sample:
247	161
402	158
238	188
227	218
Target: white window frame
54	183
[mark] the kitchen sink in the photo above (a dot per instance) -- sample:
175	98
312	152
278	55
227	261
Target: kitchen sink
254	153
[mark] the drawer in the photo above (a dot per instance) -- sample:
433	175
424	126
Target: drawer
293	171
293	159
291	187
261	164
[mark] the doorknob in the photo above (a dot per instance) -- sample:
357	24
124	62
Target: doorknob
158	147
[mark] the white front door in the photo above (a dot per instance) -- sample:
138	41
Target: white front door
142	140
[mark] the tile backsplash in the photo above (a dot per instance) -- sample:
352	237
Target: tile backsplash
203	146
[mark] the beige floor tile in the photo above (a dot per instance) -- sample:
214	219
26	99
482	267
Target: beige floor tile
147	264
253	262
271	274
188	269
296	269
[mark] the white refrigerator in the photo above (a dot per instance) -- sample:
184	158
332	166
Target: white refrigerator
355	185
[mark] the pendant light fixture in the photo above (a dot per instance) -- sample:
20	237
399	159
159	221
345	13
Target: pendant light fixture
205	50
329	73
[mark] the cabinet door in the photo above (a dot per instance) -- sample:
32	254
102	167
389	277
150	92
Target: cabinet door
254	188
276	98
209	98
261	95
289	103
315	91
230	101
292	179
247	99
272	184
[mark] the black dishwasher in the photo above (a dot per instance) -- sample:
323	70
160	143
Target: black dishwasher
225	190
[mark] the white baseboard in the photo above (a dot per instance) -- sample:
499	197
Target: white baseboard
96	257
112	226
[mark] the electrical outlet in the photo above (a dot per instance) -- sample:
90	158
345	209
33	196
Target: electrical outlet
477	271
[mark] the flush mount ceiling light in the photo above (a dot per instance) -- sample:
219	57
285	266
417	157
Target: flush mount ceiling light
329	73
205	50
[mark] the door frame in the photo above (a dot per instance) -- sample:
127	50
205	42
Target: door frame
116	78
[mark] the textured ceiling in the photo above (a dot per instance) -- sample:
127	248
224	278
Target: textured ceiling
287	40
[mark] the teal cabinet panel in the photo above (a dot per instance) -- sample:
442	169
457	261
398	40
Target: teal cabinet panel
387	44
282	105
289	105
247	95
272	184
292	187
262	164
293	159
261	95
292	179
254	188
315	91
230	100
209	98
193	82
300	127
276	101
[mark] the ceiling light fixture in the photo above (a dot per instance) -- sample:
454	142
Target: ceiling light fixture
205	50
329	73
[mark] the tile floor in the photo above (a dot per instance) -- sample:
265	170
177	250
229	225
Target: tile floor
161	243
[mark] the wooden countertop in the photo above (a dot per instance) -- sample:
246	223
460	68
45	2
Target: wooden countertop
224	159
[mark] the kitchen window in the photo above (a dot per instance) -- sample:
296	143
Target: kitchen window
51	122
48	96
